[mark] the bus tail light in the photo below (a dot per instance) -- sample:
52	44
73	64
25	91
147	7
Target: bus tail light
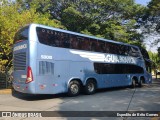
29	75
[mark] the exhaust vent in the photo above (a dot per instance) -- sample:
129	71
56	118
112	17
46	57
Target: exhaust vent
46	68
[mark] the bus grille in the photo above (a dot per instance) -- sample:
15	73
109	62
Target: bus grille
19	61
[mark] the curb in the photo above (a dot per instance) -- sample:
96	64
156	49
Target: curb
5	91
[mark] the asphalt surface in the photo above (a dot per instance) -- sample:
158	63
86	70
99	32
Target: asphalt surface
87	107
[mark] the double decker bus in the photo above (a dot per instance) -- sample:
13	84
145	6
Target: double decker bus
48	60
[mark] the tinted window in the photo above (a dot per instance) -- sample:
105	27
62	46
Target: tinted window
107	68
80	42
53	38
46	36
148	66
74	42
112	48
144	53
21	35
84	43
66	40
123	50
93	45
101	46
108	47
58	39
133	51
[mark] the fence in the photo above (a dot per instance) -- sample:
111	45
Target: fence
5	79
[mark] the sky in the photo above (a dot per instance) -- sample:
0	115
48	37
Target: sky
142	2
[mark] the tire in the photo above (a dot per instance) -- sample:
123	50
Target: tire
140	84
90	87
74	88
133	85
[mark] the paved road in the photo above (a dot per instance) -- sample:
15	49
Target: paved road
146	98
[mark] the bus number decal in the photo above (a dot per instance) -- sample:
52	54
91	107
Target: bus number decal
46	57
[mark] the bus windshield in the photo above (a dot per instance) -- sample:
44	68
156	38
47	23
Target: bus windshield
21	35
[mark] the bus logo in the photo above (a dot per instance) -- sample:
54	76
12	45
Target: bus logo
24	46
110	58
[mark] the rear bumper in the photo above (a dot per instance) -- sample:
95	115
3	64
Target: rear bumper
23	88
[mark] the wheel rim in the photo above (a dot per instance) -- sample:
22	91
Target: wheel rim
90	87
74	89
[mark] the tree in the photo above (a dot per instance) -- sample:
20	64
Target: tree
110	19
154	57
150	24
158	52
158	57
154	12
13	17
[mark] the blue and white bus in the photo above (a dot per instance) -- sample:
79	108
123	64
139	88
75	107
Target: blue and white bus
50	61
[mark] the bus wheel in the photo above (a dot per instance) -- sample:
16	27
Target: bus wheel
90	87
133	85
74	88
140	84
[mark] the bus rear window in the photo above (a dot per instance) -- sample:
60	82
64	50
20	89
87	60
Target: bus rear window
21	35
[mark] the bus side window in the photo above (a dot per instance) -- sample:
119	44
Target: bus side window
57	37
83	43
51	38
107	47
80	43
134	52
86	44
41	35
115	49
66	41
126	49
61	39
73	42
101	46
93	45
98	48
123	50
111	48
144	53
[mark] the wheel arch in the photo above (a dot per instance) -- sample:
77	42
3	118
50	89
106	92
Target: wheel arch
142	78
90	78
74	79
135	78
